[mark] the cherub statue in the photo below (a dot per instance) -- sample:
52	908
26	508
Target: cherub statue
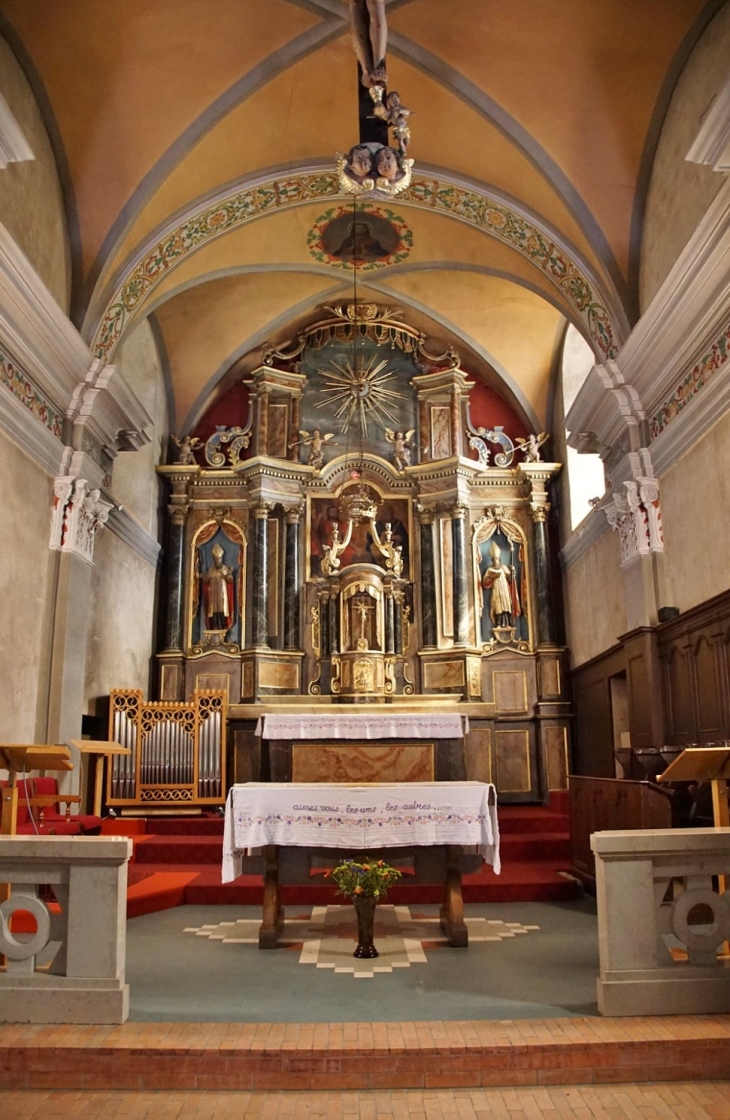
530	447
315	442
395	114
186	453
401	447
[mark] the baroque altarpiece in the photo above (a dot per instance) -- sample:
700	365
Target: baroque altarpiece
356	539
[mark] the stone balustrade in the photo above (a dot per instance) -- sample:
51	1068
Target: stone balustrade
71	969
661	925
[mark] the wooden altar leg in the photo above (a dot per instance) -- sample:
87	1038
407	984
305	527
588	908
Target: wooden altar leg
452	911
273	916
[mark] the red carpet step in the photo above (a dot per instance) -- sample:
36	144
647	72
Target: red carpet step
177	862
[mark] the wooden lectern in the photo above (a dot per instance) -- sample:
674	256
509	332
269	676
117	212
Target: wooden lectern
704	764
19	758
102	749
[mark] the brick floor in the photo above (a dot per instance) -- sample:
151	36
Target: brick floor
676	1101
365	1056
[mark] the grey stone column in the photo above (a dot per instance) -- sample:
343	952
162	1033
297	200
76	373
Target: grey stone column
292	589
545	616
260	594
458	536
428	581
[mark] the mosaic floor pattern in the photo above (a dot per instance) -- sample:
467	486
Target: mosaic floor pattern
326	938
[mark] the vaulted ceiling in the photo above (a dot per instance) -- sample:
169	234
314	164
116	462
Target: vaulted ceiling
196	144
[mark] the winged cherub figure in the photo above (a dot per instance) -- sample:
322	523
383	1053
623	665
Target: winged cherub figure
401	446
315	442
187	447
530	447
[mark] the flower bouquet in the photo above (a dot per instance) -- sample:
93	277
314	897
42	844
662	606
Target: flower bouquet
365	883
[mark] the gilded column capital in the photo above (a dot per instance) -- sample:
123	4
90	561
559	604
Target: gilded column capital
425	514
539	513
262	510
293	514
458	511
178	512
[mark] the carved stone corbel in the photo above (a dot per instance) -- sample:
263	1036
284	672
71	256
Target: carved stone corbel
78	513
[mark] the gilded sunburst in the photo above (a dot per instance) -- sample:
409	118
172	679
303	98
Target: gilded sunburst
360	392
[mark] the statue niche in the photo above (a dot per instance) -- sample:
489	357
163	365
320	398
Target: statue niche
217	591
501	582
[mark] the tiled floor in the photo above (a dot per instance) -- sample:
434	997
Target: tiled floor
678	1101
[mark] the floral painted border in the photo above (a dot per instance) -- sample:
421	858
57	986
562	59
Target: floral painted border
691	383
23	388
400	253
470	206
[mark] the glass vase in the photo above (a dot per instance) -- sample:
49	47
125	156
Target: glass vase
365	913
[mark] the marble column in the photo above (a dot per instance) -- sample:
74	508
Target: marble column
428	581
260	596
389	622
458	536
398	622
291	579
334	619
545	617
175	569
324	624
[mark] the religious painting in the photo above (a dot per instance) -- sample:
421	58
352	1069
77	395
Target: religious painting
363	236
217	590
503	584
362	548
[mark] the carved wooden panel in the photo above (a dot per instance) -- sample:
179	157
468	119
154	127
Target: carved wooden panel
555	754
478	755
709	705
512	763
681	718
550	677
510	691
246	756
217	681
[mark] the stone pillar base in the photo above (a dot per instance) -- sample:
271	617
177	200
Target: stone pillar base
56	999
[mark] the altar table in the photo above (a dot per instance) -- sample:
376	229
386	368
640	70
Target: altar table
296	825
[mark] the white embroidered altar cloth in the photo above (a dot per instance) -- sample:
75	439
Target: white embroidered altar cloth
364	725
385	815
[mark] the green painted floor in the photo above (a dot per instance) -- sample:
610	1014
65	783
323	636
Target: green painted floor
516	972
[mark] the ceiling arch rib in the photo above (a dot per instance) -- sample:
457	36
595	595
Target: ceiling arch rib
486	107
599	316
276	63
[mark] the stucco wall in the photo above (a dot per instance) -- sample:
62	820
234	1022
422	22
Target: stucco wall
134	482
121	631
695	501
25	571
31	204
680	192
595	610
